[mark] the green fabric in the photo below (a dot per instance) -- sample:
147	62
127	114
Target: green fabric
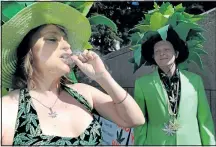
195	118
72	77
4	91
28	131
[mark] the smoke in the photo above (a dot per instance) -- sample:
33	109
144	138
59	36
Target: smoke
81	77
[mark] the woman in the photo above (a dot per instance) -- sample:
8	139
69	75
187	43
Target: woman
44	109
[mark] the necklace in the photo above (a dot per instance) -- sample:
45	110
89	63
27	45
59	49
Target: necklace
171	127
52	113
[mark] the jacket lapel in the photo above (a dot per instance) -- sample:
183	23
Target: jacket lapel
184	89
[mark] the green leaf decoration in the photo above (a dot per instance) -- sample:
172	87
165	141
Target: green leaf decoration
131	60
199	46
196	35
120	135
199	51
192	43
179	8
156	5
157	20
137	54
169	11
139	59
117	134
135	67
28	106
135	38
146	21
183	29
163	32
122	139
197	18
152	11
164	7
100	19
31	141
173	19
140	28
193	18
148	35
9	9
194	57
187	15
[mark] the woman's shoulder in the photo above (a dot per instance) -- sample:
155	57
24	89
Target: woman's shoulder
81	87
84	90
11	98
9	110
10	102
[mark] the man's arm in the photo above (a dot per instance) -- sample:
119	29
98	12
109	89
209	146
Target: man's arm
206	125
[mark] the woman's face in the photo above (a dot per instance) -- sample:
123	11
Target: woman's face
164	53
48	44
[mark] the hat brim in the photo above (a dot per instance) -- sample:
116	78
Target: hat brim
178	45
13	31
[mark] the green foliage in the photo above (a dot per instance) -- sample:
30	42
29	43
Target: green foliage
4	91
100	19
119	138
104	39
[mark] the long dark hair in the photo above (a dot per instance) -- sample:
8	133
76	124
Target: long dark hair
24	61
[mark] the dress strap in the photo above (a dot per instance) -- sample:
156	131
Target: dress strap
78	97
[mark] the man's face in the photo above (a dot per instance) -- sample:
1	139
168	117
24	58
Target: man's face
164	53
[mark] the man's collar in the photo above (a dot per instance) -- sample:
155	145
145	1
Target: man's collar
175	76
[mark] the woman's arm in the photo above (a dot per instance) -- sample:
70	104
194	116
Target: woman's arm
118	105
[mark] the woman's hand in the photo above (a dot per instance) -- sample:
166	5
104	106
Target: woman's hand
90	64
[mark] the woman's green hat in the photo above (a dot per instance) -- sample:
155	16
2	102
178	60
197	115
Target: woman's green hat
14	30
157	22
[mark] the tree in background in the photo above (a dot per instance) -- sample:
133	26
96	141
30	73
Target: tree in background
127	14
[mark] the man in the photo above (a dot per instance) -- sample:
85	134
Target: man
173	100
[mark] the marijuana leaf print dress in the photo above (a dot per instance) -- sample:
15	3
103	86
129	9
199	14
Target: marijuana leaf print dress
28	131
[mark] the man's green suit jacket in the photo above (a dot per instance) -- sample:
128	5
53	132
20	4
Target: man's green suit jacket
197	127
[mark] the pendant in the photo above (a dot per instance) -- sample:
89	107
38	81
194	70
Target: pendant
52	114
171	127
175	125
172	99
